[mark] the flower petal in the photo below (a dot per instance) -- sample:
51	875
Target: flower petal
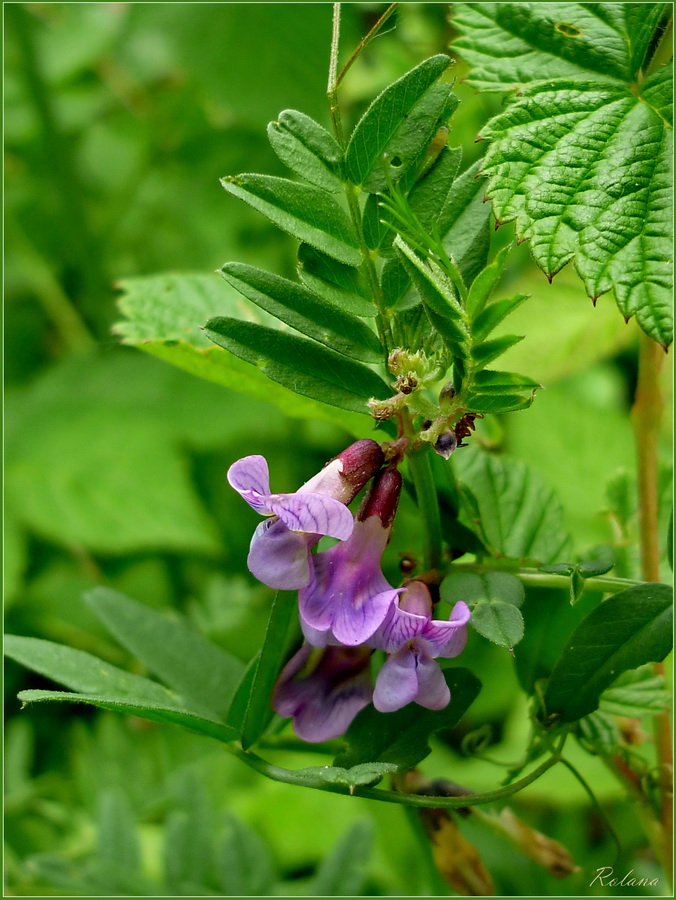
249	476
456	644
280	558
433	692
397	682
323	718
398	628
354	623
313	514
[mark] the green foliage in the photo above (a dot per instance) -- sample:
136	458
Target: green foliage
628	630
402	737
587	123
342	873
494	598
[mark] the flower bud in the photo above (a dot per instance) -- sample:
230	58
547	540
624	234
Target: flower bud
446	443
383	498
346	474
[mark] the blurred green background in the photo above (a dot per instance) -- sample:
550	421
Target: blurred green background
119	120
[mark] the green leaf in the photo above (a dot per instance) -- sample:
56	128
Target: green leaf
658	92
342	872
308	213
429	195
402	737
477	587
201	672
493	314
383	133
377	233
635	694
244	862
626	631
599	733
510	44
299	364
336	282
305	311
163	715
362	775
307	148
499	622
163	316
188	843
489	350
595	143
492	381
497	403
83	672
494	597
463	223
118	842
485	282
520	517
281	628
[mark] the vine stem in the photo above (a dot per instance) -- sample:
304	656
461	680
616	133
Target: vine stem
646	419
607	584
289	776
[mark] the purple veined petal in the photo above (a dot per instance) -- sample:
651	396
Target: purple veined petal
314	636
460	614
354	623
324	718
250	477
288	694
280	558
397	682
456	644
313	514
398	628
433	692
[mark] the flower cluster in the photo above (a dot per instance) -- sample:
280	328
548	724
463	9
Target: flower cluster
347	607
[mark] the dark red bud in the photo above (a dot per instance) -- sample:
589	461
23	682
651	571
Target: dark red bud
383	498
360	461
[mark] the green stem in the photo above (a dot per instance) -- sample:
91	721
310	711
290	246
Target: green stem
288	776
592	796
605	584
362	44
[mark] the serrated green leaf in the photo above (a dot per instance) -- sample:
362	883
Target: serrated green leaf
163	317
485	282
584	170
626	631
338	283
342	872
474	587
382	132
402	737
658	92
80	671
493	314
498	622
635	694
487	351
257	711
163	715
464	223
201	672
490	380
301	365
306	212
510	44
307	148
519	516
306	312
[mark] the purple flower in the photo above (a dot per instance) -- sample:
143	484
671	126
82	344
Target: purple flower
279	554
348	596
413	640
323	690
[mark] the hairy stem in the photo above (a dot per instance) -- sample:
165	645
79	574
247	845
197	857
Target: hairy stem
646	419
428	505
